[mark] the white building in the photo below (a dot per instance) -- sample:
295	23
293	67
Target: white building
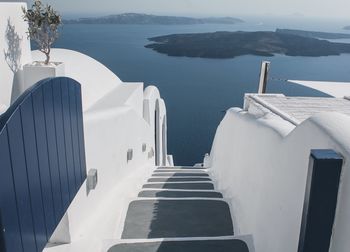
248	196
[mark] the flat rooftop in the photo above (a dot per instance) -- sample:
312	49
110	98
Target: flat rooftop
298	109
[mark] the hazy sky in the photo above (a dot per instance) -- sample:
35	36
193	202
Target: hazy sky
308	8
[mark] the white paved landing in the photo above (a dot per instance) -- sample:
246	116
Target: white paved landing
298	109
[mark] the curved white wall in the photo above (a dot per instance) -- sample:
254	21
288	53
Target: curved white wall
261	165
97	80
152	103
108	137
114	125
14	51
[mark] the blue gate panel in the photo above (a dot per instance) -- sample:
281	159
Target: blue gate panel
42	163
31	153
81	133
20	176
45	177
75	136
68	138
61	146
8	206
2	238
52	150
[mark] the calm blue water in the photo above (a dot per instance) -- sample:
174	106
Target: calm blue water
198	91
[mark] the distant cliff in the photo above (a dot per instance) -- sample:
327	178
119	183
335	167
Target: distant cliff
347	27
233	44
144	19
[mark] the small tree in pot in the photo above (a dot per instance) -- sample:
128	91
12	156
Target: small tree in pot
43	27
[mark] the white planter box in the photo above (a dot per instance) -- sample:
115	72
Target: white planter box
3	108
37	71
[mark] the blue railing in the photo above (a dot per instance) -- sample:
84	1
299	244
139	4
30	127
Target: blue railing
42	162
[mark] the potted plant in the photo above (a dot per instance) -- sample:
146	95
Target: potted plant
43	24
43	29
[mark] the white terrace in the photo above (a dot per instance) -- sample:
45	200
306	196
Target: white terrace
296	109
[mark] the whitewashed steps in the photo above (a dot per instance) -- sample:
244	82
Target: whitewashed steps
229	245
177	218
178	179
178	210
181	186
180	174
178	194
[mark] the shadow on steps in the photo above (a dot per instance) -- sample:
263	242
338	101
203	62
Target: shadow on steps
177	218
233	245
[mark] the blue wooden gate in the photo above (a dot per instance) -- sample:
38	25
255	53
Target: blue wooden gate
42	162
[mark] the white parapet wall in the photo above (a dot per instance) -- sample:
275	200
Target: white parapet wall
154	113
261	161
14	51
96	79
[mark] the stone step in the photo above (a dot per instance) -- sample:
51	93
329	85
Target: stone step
177	218
178	194
184	185
180	167
229	245
180	174
177	179
180	170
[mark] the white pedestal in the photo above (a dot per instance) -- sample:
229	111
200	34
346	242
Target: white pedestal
3	108
37	71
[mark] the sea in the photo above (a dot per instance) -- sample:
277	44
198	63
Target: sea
198	91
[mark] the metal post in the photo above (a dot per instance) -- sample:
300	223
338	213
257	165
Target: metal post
264	72
320	203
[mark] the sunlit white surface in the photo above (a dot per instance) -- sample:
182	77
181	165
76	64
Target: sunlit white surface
14	51
96	79
335	89
260	161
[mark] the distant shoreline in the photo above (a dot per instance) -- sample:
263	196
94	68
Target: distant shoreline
145	19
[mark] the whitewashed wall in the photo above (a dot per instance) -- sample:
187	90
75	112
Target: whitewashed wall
109	135
261	163
152	102
14	52
117	117
96	79
113	125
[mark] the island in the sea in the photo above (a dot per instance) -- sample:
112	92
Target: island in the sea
315	34
144	19
233	44
347	28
